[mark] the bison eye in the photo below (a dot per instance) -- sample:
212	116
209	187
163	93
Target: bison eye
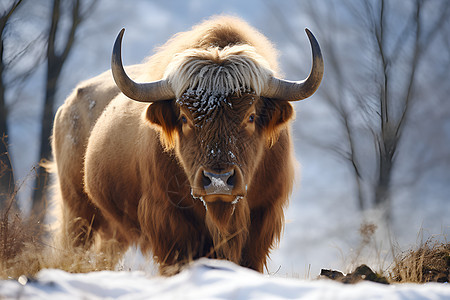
251	118
183	119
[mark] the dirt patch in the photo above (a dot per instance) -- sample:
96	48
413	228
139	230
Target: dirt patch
361	273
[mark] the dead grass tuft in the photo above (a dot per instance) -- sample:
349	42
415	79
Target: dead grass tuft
15	233
25	249
18	235
429	263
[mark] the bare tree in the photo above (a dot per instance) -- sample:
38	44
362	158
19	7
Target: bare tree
7	183
374	87
55	62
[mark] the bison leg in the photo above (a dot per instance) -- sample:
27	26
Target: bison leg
174	236
265	230
115	229
79	220
84	227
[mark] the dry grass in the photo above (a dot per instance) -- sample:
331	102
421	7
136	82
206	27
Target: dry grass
25	249
17	236
429	263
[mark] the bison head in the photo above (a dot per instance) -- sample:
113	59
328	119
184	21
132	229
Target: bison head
219	108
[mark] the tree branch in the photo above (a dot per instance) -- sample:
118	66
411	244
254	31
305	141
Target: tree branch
419	49
8	13
413	63
76	20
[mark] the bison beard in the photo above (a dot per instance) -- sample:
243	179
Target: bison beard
211	122
228	225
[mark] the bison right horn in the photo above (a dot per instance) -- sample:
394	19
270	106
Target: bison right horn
143	92
298	90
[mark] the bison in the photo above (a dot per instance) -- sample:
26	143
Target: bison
192	159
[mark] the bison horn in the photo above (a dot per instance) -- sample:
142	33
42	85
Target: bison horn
143	92
298	90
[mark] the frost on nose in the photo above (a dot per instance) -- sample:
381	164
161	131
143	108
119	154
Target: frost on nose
215	184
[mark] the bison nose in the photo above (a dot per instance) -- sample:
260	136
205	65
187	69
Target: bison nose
222	183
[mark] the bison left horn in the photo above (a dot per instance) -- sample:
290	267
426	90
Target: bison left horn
298	90
143	92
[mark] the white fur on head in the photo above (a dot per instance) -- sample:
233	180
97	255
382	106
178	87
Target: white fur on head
226	71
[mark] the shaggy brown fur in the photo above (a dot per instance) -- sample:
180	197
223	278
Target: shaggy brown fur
126	169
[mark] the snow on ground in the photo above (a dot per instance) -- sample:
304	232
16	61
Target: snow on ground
206	279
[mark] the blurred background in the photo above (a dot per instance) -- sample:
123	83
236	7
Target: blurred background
373	144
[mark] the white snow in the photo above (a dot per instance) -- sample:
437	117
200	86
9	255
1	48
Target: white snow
206	279
92	104
237	199
218	183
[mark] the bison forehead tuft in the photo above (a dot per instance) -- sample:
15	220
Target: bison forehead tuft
218	71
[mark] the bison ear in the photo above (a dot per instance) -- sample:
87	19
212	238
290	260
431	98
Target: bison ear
162	114
275	116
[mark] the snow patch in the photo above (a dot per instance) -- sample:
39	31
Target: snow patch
231	154
204	203
199	198
236	200
206	279
92	104
218	183
71	139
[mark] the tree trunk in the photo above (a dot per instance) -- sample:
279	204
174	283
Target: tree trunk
7	184
382	193
55	62
45	152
